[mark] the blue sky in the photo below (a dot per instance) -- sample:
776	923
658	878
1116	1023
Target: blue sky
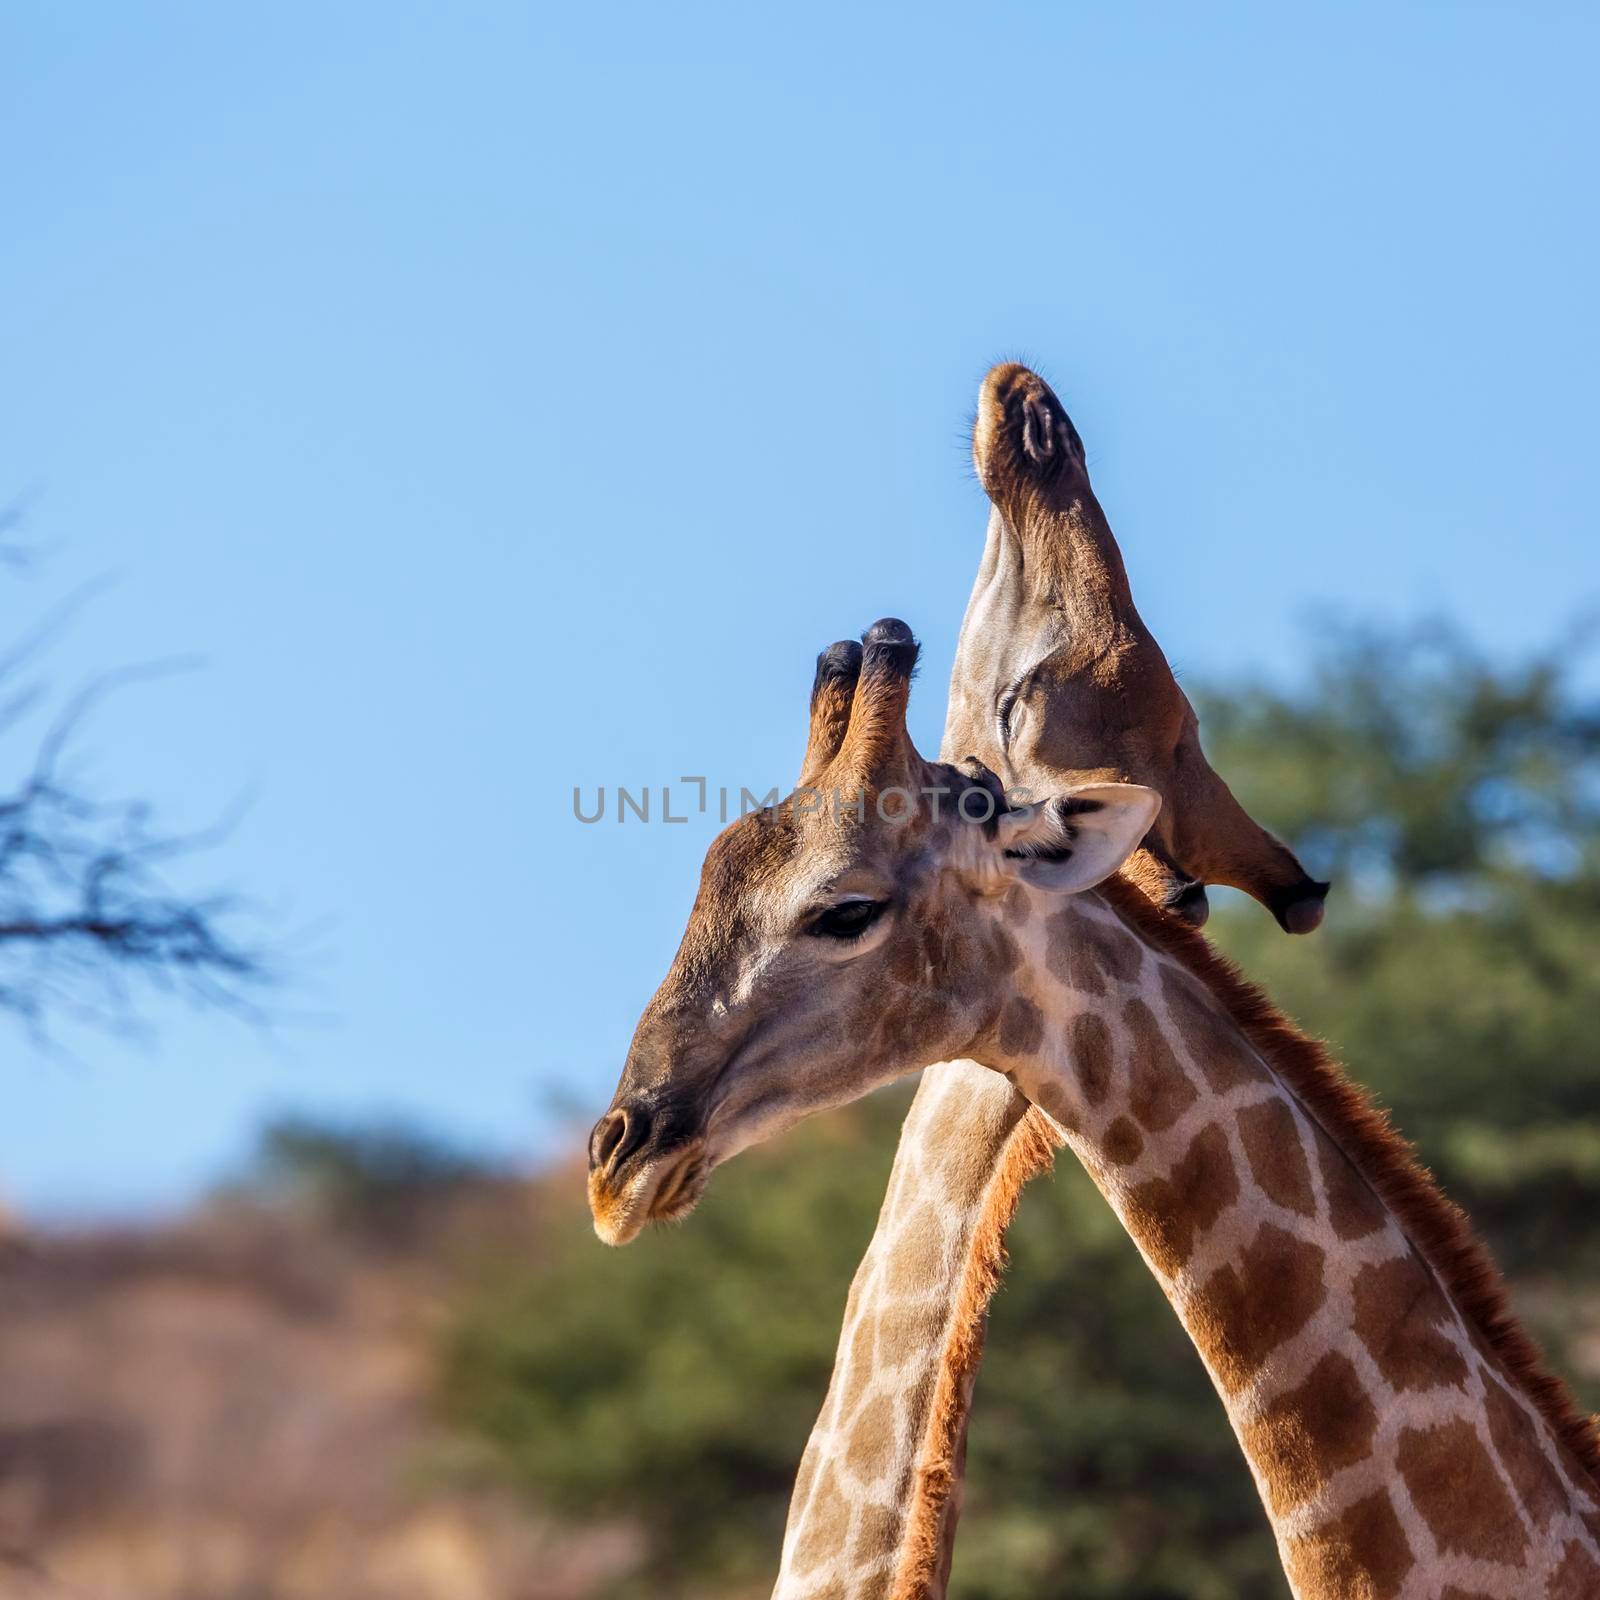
501	398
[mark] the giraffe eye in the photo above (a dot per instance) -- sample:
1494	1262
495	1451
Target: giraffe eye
847	920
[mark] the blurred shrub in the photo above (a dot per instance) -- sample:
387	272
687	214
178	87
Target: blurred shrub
1456	803
379	1179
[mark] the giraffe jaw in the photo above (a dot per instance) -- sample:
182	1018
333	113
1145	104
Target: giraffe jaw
662	1190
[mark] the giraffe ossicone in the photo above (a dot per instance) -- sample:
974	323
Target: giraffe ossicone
1403	1435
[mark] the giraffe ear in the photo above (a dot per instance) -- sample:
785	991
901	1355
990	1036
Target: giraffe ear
1078	838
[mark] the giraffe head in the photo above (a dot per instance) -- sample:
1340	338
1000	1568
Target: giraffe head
850	935
1056	671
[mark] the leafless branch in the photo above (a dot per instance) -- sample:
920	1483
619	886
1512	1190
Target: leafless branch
88	913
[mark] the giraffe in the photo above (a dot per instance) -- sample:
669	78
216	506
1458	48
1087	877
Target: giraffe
1405	1439
1057	681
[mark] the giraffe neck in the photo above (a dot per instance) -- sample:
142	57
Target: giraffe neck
1057	583
1402	1436
1068	559
876	1499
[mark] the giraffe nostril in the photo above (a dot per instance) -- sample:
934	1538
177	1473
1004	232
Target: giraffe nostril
605	1138
616	1136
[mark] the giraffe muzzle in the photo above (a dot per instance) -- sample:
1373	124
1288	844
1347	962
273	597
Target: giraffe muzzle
1022	432
633	1179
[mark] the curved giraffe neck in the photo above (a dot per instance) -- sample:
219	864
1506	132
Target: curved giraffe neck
1403	1434
875	1503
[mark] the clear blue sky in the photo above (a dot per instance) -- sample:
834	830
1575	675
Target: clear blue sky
503	398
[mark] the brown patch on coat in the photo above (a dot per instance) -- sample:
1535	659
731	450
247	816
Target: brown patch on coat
878	1528
1208	1035
1005	954
1277	1159
1434	1226
1310	1432
1167	1215
826	1527
1017	906
1522	1454
1361	1554
863	1352
1021	1028
915	1261
904	1019
1239	1318
1061	1104
1577	1578
1159	1092
1399	1312
872	1439
1068	958
909	1325
1089	1050
1122	1142
924	1560
1354	1208
1114	951
1458	1493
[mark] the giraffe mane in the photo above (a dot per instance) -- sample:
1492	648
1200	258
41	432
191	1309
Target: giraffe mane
925	1548
1435	1226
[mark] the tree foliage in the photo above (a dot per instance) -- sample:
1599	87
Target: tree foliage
378	1179
1455	803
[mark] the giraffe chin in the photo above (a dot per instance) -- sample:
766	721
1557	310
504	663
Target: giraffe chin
662	1190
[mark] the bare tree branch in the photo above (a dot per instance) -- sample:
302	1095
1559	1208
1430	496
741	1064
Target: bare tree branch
88	915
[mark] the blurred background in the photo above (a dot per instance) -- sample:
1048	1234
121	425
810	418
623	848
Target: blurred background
414	424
